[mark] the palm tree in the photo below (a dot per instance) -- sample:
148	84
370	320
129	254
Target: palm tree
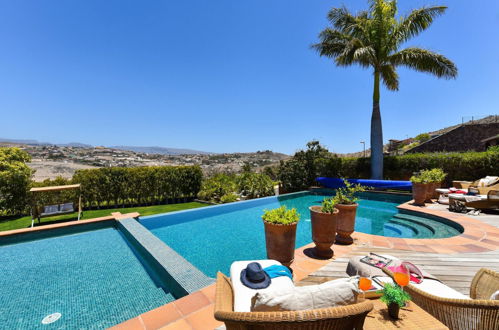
372	39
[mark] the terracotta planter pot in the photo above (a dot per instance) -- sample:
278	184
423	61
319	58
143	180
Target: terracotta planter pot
280	242
430	193
345	222
393	310
419	193
323	231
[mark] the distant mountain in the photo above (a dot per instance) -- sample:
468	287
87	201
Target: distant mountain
38	143
162	150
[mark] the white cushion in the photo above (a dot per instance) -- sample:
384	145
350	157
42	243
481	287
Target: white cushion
462	197
243	294
433	287
495	295
334	293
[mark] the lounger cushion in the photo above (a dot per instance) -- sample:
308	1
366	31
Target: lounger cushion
495	295
339	292
243	294
433	287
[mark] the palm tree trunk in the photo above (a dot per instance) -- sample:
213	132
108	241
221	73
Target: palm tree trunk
376	134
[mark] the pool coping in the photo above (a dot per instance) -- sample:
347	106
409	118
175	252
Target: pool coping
195	311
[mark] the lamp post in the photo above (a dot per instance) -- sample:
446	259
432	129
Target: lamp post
364	144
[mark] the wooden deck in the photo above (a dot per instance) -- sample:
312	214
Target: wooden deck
455	270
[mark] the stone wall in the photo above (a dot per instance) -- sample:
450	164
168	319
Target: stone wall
462	138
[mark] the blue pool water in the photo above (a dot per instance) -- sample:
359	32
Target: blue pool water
92	278
212	238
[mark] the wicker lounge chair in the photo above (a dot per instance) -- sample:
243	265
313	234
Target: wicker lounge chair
475	184
490	201
476	313
344	317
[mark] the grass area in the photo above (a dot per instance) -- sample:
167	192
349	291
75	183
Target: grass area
25	222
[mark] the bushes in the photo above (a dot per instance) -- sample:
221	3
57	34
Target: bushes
295	174
15	180
225	188
118	186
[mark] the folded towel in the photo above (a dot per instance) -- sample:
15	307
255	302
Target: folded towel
278	270
468	198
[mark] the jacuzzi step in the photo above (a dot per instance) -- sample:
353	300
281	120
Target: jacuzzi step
440	229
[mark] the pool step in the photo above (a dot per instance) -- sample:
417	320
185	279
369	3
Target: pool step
393	229
440	229
417	230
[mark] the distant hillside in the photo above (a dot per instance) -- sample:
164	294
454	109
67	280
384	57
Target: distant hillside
38	143
161	150
486	120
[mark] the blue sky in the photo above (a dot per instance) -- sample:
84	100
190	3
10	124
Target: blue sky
224	75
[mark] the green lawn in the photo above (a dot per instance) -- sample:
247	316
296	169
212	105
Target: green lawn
25	222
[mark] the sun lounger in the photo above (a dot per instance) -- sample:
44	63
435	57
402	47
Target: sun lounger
488	201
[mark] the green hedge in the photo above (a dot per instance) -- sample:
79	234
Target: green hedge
459	166
295	173
120	186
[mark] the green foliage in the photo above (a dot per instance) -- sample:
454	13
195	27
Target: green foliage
458	165
281	215
392	293
118	186
436	175
423	137
328	205
493	149
419	178
301	171
229	198
254	185
248	184
15	180
217	186
346	195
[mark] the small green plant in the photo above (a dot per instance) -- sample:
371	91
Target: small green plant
423	137
392	293
328	205
493	149
436	175
281	216
229	198
419	177
346	195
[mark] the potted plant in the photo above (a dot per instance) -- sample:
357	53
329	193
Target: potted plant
394	297
435	177
346	203
419	188
324	227
280	234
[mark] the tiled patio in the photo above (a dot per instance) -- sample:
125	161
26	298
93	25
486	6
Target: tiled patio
195	311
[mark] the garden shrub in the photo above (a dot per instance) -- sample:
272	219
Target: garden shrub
120	186
15	180
254	185
295	173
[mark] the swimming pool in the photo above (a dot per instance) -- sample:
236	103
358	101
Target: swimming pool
212	238
94	279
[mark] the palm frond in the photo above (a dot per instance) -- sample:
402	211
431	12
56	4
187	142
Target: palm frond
332	43
416	22
424	61
390	77
345	22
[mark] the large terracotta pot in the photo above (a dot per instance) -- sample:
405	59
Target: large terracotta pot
280	241
323	231
393	310
430	192
419	193
345	222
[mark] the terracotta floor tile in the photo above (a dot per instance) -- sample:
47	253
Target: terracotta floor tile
178	325
475	248
132	324
421	248
307	266
161	316
491	242
209	292
381	243
192	302
203	319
